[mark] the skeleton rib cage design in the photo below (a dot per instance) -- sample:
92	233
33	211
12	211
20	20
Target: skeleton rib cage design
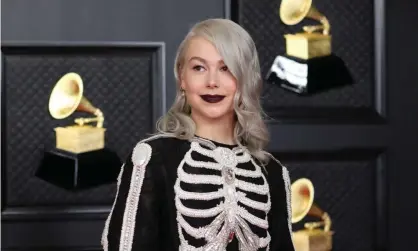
221	194
227	196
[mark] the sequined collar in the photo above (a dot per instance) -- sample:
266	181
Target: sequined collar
213	145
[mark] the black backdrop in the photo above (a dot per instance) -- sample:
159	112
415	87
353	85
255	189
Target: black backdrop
357	143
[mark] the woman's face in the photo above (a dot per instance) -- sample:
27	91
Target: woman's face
208	84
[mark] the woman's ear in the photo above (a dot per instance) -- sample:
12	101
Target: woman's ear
181	78
181	83
180	71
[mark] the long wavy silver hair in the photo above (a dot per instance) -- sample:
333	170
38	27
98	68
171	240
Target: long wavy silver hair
239	53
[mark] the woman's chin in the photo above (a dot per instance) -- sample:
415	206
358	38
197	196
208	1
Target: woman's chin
213	114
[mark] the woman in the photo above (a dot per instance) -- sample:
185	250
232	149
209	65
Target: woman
204	181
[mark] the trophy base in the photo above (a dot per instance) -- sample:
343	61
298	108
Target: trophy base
312	240
79	171
80	139
310	76
308	45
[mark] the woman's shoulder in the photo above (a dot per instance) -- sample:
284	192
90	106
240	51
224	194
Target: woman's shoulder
275	168
155	147
161	141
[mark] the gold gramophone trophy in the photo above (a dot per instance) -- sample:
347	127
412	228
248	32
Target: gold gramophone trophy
67	98
312	237
309	65
79	159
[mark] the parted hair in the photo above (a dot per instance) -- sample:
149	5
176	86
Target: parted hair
239	53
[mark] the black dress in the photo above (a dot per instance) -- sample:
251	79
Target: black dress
201	195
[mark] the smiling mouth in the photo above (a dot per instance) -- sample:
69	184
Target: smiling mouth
212	98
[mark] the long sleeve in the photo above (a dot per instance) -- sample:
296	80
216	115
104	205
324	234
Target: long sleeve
280	215
133	223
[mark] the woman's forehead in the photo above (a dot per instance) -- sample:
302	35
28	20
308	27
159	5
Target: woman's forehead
200	49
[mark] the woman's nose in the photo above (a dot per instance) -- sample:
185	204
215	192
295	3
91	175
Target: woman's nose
212	80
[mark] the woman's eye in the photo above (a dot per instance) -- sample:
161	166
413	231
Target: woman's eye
198	68
224	68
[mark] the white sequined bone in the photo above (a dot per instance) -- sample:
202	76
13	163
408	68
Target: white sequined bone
229	216
141	155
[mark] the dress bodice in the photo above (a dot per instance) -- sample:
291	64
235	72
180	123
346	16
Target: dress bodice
201	196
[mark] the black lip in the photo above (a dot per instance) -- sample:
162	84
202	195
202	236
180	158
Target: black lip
212	98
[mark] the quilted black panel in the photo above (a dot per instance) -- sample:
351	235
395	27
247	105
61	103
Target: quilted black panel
118	82
352	30
346	190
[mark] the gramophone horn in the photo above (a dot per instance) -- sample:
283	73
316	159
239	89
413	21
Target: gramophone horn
294	11
67	97
303	194
302	199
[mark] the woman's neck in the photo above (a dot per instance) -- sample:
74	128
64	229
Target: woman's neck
219	130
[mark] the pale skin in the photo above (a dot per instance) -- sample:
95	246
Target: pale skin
205	73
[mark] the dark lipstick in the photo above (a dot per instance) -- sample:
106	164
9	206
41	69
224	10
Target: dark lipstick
212	98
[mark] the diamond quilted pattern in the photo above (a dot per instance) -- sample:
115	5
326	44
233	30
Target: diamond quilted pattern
352	31
119	84
346	191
